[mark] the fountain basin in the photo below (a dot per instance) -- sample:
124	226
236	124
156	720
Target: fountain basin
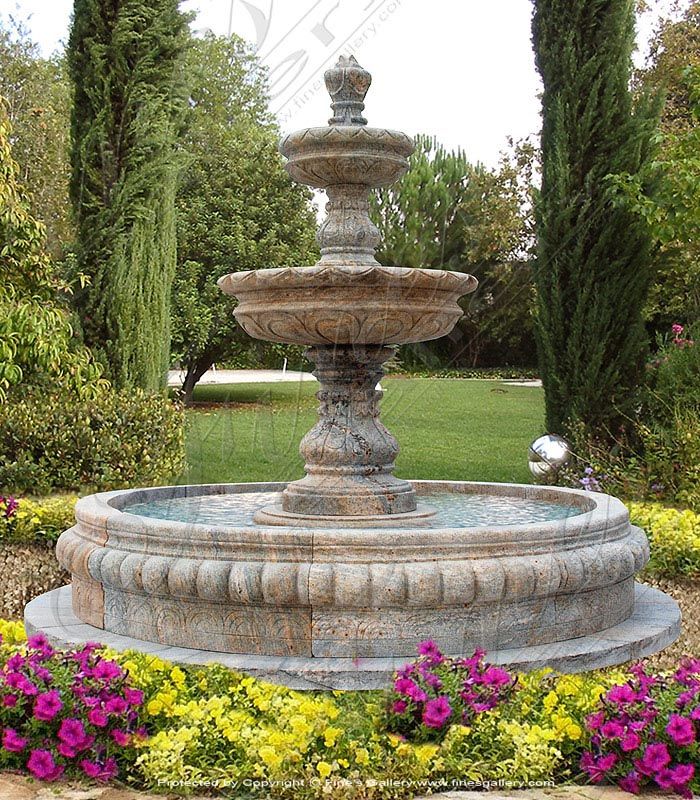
332	305
358	594
346	154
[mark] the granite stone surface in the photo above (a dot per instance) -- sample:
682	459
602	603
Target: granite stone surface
654	623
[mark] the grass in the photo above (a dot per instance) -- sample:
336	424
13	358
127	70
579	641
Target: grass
449	429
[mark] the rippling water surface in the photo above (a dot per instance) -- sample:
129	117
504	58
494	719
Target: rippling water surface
453	510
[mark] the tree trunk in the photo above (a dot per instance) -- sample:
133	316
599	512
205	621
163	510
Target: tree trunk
192	376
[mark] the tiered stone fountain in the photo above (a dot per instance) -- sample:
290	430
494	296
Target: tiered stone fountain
333	579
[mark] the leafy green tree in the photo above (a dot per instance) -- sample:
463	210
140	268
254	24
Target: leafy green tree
446	213
594	257
126	66
37	345
237	207
38	104
674	211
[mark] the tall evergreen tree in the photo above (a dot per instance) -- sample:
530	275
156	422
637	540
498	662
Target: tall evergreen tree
594	256
126	65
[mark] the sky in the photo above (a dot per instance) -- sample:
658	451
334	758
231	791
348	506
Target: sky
462	70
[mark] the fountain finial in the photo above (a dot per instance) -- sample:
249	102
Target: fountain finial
347	83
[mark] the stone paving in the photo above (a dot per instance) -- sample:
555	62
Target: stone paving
18	787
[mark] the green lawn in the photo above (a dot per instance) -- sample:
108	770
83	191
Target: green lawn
450	429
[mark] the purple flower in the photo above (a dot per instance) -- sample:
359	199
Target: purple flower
436	712
134	697
12	741
411	689
107	670
613	729
630	783
116	705
429	649
495	676
42	765
102	772
72	732
597	768
97	717
676	778
47	705
122	738
594	721
15	680
655	758
680	730
399	706
630	741
621	694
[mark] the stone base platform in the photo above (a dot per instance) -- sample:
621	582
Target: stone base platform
654	624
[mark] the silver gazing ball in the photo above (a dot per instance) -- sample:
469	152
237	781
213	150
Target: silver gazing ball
547	455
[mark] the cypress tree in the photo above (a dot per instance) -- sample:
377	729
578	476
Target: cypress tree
594	256
125	62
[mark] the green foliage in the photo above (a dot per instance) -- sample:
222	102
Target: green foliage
674	538
237	207
672	212
62	442
42	520
37	347
125	64
593	257
446	213
38	104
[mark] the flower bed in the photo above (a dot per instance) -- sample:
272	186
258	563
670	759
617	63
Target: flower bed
131	716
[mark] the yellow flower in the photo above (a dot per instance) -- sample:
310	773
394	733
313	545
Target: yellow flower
270	756
362	756
177	676
425	752
550	701
330	735
154	707
324	769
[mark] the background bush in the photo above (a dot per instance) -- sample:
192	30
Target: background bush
114	440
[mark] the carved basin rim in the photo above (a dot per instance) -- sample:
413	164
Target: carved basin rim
338	276
311	138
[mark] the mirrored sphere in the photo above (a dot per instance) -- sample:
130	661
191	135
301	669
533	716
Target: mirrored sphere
548	454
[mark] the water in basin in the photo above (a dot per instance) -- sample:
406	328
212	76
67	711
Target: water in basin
454	510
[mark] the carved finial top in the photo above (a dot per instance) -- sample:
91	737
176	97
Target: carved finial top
347	83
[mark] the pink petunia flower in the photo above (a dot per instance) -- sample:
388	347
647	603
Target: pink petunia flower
436	712
134	697
42	765
12	741
72	732
655	758
97	717
106	670
122	738
47	705
630	741
612	729
680	730
630	783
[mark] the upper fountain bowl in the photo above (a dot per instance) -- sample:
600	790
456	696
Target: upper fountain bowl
341	305
346	154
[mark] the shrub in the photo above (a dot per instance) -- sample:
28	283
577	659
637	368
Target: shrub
43	520
646	732
113	440
674	537
70	713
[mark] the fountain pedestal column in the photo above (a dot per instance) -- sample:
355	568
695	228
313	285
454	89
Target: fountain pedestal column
349	454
